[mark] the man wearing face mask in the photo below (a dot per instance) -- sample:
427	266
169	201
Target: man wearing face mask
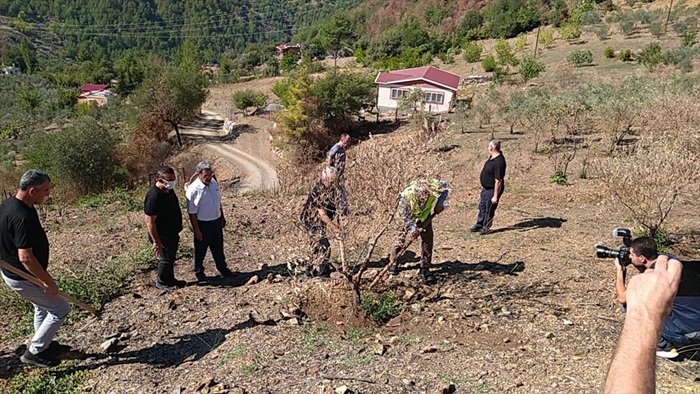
164	223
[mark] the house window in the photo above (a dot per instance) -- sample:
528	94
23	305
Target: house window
397	93
433	98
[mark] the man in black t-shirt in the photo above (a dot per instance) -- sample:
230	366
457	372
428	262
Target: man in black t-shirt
164	222
24	245
317	216
492	183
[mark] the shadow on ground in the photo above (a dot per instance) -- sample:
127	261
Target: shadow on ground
532	224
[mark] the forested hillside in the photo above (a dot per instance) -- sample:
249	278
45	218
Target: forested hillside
160	26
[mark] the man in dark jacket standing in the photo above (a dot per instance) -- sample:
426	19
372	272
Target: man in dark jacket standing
164	222
492	183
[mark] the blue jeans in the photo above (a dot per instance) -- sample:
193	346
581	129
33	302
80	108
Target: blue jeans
676	340
487	210
49	312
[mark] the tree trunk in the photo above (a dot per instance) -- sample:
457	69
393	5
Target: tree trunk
177	133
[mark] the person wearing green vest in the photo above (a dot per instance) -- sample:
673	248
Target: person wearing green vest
419	202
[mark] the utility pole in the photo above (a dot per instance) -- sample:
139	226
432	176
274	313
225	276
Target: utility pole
668	16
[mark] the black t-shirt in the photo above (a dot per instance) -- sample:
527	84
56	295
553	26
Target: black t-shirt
493	169
320	197
20	228
166	208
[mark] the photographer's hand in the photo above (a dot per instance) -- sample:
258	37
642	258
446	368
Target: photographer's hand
620	276
651	297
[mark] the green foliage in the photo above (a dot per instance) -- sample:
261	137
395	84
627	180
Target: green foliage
559	178
656	29
508	18
609	52
581	12
412	100
546	37
382	308
682	58
341	95
435	13
625	55
651	56
361	56
660	236
336	33
124	197
82	156
446	58
603	32
500	74
520	42
243	99
627	25
504	53
22	55
530	68
570	31
61	380
472	51
580	58
489	63
131	70
470	26
688	39
281	90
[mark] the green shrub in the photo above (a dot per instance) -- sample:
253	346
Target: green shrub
651	56
627	26
625	55
570	31
609	52
520	42
247	98
580	58
559	178
630	2
382	308
472	51
530	68
590	18
82	156
603	32
61	380
500	74
489	63
445	58
504	53
546	37
656	29
681	57
688	39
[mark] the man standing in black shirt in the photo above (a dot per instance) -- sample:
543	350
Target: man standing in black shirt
164	223
492	176
24	245
317	216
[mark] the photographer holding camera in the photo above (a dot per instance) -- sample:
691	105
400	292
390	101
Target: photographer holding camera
682	326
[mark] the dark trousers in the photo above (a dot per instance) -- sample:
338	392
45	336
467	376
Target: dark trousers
426	237
487	210
321	246
166	260
213	239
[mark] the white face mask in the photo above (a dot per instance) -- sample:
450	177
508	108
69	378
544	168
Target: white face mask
170	185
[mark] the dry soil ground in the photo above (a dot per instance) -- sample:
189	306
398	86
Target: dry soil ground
525	309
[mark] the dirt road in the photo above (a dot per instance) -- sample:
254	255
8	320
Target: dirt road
251	153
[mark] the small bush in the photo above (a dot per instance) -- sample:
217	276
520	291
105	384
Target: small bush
499	75
530	68
656	29
382	308
520	42
580	58
603	32
546	37
570	31
247	98
609	52
559	178
651	56
64	380
681	57
505	54
627	26
590	18
688	39
445	58
489	63
472	51
661	237
625	55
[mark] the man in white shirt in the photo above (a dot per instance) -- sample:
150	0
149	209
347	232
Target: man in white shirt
207	218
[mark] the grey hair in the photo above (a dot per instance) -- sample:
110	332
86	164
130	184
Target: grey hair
33	178
166	170
495	145
203	165
328	172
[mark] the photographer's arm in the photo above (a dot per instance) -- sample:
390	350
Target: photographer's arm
651	294
620	274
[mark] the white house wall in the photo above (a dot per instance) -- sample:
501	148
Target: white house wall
386	104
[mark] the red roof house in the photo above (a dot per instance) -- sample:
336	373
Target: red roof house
91	92
439	86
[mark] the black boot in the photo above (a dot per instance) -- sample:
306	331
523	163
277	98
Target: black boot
426	276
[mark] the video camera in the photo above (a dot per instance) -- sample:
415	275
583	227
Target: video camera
622	254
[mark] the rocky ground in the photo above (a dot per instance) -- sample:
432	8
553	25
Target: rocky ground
525	309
